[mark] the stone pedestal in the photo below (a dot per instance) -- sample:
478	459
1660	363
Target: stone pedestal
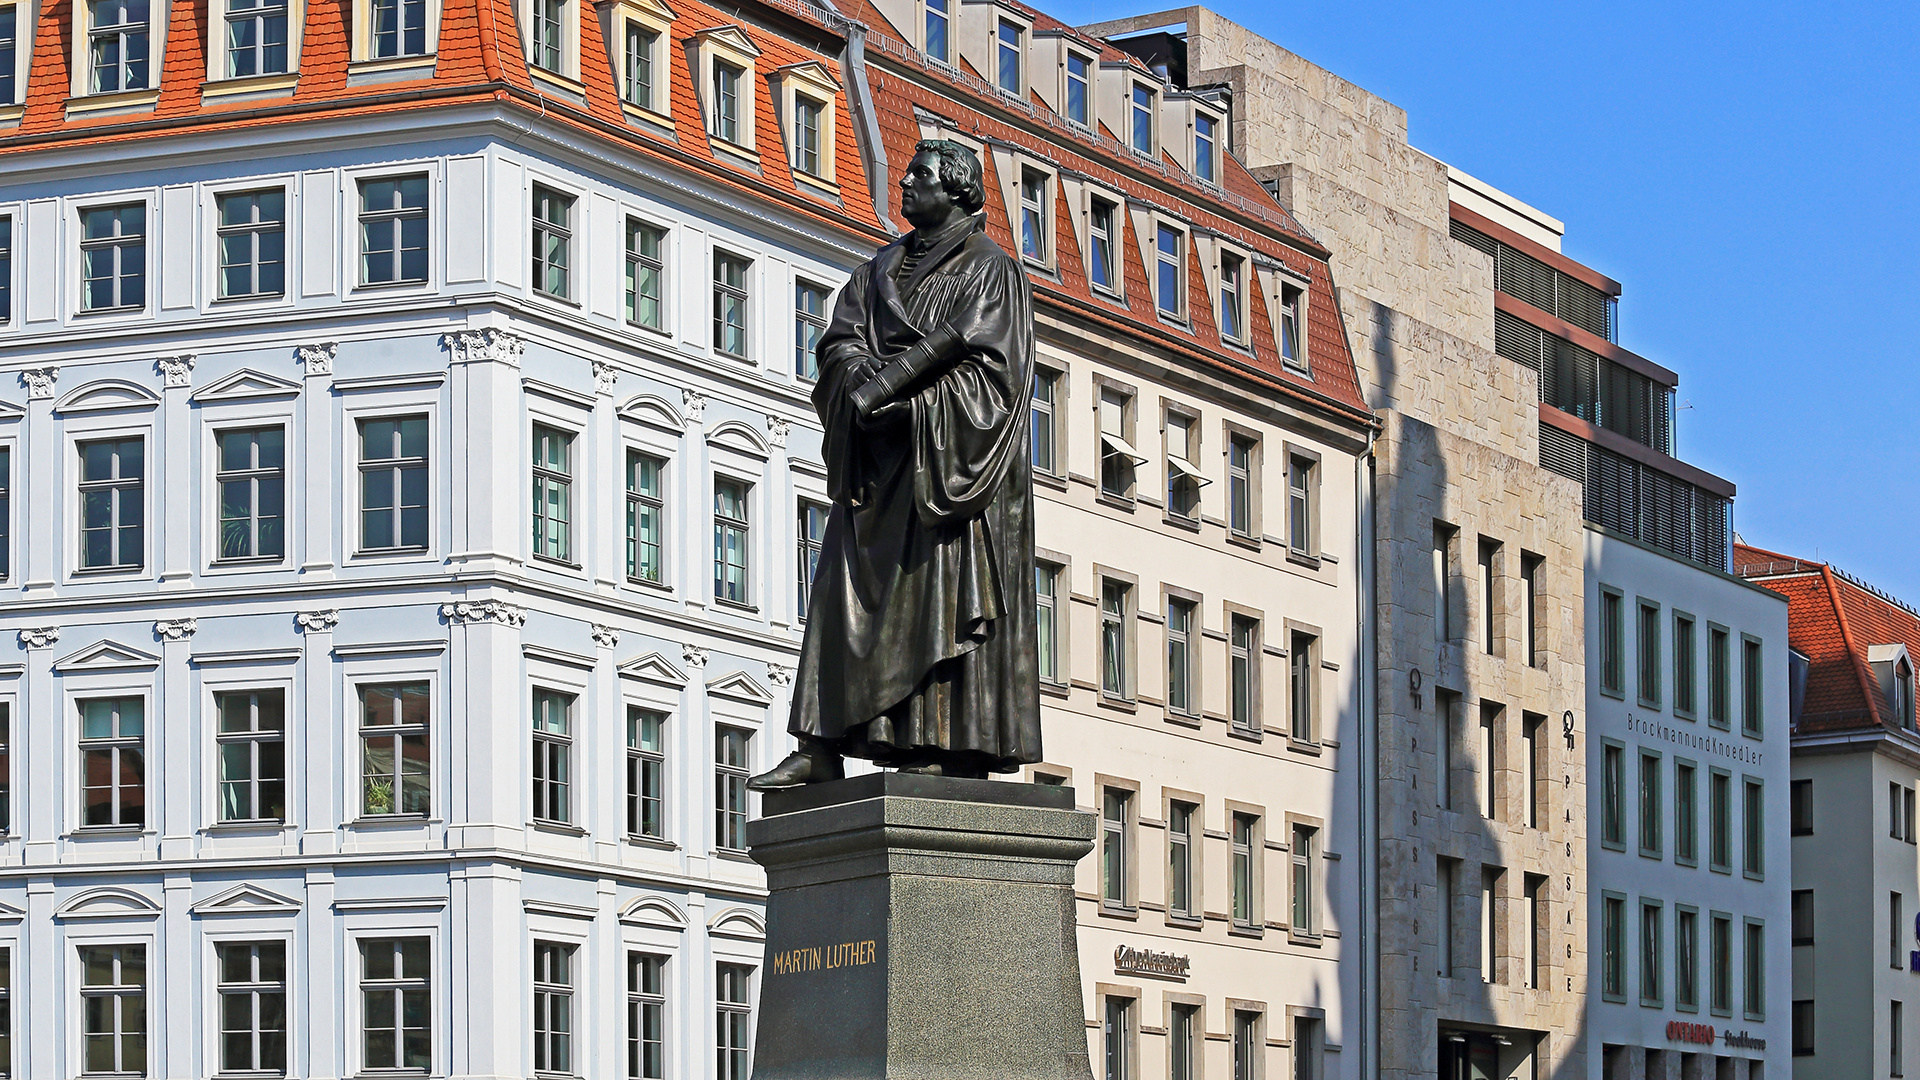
920	928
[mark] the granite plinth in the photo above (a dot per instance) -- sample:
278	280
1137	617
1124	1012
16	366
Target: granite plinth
920	928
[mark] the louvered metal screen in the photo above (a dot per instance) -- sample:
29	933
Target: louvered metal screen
1593	388
1636	500
1517	273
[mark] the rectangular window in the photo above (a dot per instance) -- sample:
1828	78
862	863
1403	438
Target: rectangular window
1116	600
646	772
1720	820
730	540
253	1007
1443	605
6	223
253	236
646	518
1243	675
1046	584
1293	350
253	755
117	45
1488	789
1183	1040
1686	959
1101	271
1533	749
1649	642
113	504
1249	1044
1303	663
637	86
1205	140
256	38
395	761
646	1016
1906	804
1035	208
1118	459
646	270
1613	666
552	756
1301	515
1116	847
396	1004
1613	947
1719	678
1170	245
552	224
1651	822
1613	764
1046	399
1010	52
1490	925
806	134
1233	299
399	28
1182	898
730	789
1803	1028
1240	490
1686	814
1686	667
393	483
552	493
1141	107
730	304
393	222
552	1007
1652	937
1183	476
1078	94
1893	811
1443	890
1116	1037
253	493
938	22
811	530
1755	957
1446	706
733	1021
1245	841
809	322
1803	920
1896	918
726	101
9	47
1489	600
1181	641
113	762
1754	836
1752	687
1897	1036
1530	566
6	804
113	250
113	995
1720	964
1304	850
1536	901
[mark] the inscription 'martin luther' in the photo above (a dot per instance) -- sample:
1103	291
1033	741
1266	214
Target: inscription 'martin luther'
817	958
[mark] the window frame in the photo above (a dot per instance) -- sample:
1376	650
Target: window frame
1235	290
1719	677
644	763
1183	651
117	992
739	529
1753	694
731	801
808	327
1246	869
1143	119
1652	953
559	234
1035	224
1611	643
1205	150
252	738
1002	48
1305	550
1291	300
1753	828
1054	408
1177	260
647	1011
254	476
394	218
115	743
1613	781
366	54
1119	845
1184	477
1243	484
1613	945
86	80
728	46
1109	242
357	424
1089	83
1303	909
1118	637
256	229
1686	664
1304	683
549	479
640	505
1719	821
254	989
1247	658
809	83
551	765
928	15
118	243
808	547
1649	654
733	1015
400	984
728	297
1116	448
117	486
1650	816
397	683
1686	812
1193	842
553	1005
1686	958
1057	602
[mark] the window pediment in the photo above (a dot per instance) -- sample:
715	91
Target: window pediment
107	395
654	412
106	656
739	686
246	385
654	668
730	41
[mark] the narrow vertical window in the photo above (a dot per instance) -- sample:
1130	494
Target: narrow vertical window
807	115
1720	820
730	304
1720	964
726	101
1100	269
1118	458
730	541
1183	476
646	518
1115	676
1181	900
1535	742
646	772
113	256
393	483
552	1007
1686	959
1536	900
552	756
637	86
393	229
6	803
256	38
253	240
1446	705
395	759
9	48
113	762
1686	692
646	1016
6	223
1613	796
646	270
1240	490
1490	925
1180	645
1300	508
809	322
1303	886
399	28
1443	582
113	993
1116	1035
1802	926
730	789
1170	245
1719	678
1303	662
1686	814
1293	352
1652	937
1046	584
552	493
252	479
1243	674
1753	833
1116	847
552	237
1753	688
1896	927
1205	141
253	755
1488	790
1078	95
1183	1025
1245	841
1489	596
1046	399
253	1007
1800	808
1613	947
811	534
1649	642
1896	1039
1009	52
1140	109
1443	890
113	504
1249	1045
396	1004
1803	1019
1530	607
733	1021
1034	211
1651	820
1233	299
1755	957
117	45
938	21
1613	665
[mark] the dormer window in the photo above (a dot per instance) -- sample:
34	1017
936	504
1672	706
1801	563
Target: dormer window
1293	351
1233	298
726	101
256	38
548	27
726	58
9	48
939	20
1170	246
1079	89
637	31
636	85
1206	147
117	41
1903	694
806	135
553	39
399	29
1141	109
1102	273
806	96
1011	51
1034	215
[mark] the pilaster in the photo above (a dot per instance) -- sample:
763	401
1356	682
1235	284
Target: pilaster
40	479
319	733
172	734
316	444
174	549
38	750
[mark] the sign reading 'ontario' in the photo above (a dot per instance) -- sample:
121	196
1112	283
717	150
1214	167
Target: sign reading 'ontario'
821	957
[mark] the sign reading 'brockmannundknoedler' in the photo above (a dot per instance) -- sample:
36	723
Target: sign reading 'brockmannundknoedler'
1128	960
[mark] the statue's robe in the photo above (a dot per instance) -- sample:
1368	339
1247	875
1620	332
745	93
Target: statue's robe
920	639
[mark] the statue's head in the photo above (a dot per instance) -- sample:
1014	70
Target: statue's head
944	182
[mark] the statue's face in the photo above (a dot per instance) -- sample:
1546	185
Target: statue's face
922	199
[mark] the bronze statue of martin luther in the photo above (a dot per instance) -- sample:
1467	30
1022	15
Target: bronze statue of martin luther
920	645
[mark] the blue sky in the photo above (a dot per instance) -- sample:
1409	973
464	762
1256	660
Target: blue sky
1747	172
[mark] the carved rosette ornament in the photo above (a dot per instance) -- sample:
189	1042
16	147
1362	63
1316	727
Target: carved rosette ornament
318	621
606	636
486	345
40	637
39	382
696	404
779	675
176	629
469	612
777	429
604	376
317	359
176	370
694	654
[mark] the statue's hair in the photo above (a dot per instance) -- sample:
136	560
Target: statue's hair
960	173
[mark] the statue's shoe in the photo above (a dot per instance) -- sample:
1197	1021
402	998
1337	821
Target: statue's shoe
799	768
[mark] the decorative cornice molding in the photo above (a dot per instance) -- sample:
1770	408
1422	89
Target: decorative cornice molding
39	381
317	621
317	359
605	375
606	636
176	370
467	612
696	406
694	654
176	629
777	428
41	637
484	345
779	675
